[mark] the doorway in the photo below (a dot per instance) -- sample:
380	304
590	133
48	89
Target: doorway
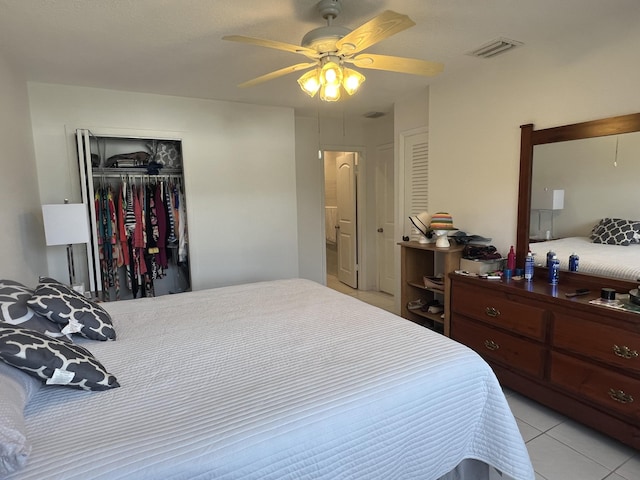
344	228
341	219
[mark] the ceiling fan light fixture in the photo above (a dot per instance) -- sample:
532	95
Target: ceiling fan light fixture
310	82
352	80
331	74
331	47
330	93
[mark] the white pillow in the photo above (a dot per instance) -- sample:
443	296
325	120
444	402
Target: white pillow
16	388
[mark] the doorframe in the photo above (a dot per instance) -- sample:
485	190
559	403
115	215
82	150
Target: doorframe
360	209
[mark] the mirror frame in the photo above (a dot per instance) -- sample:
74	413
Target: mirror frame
529	138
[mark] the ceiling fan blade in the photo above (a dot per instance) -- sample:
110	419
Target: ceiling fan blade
277	73
375	30
397	64
287	47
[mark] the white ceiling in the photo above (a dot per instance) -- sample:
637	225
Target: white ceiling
174	47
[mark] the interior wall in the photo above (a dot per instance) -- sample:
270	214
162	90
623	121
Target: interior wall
22	256
310	194
474	120
239	168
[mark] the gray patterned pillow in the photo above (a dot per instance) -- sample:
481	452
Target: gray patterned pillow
63	305
53	361
15	311
616	231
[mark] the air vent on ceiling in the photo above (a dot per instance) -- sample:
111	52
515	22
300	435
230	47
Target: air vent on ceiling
374	114
495	47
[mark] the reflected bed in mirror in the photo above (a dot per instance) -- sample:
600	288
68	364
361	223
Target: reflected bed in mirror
594	164
614	261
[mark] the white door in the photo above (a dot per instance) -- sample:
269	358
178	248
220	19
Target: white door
346	236
385	208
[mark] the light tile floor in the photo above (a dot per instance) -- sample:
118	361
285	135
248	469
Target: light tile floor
379	299
560	449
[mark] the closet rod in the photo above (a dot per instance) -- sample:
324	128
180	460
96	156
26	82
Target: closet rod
135	171
136	175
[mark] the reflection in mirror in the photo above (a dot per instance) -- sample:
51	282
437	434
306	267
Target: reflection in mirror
573	177
598	178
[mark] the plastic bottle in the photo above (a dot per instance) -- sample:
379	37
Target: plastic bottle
550	255
528	266
511	259
554	267
573	262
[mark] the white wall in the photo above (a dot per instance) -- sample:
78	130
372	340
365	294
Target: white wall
22	255
310	187
239	165
475	119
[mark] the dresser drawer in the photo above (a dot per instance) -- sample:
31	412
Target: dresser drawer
493	344
612	390
498	309
612	345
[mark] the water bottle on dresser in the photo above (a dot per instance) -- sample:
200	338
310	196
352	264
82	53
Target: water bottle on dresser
550	255
554	267
573	262
528	266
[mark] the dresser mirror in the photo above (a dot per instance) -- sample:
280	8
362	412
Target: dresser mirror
573	177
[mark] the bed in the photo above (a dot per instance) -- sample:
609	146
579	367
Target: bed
614	261
283	379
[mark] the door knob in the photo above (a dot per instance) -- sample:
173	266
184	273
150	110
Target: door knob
380	230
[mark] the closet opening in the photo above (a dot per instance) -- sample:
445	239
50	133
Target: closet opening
134	191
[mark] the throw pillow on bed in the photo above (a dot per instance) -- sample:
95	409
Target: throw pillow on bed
61	304
53	361
616	231
15	311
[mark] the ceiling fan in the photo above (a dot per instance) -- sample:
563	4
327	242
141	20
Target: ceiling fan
331	47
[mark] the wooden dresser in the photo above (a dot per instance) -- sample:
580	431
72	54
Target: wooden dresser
577	358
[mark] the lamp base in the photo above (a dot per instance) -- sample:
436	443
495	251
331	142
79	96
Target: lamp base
70	264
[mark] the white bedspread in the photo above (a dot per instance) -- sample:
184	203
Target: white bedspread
274	380
612	261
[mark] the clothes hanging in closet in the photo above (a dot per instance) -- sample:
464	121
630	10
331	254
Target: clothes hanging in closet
140	225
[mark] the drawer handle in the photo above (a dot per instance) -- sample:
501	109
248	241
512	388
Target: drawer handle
491	345
625	352
492	311
620	396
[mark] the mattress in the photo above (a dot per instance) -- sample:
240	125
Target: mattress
274	380
613	261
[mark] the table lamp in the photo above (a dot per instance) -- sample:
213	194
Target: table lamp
66	224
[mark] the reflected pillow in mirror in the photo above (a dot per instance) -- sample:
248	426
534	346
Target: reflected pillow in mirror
616	231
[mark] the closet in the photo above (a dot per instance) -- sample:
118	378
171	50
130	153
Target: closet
134	191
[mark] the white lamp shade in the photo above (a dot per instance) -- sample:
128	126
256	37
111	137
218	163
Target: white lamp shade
547	199
65	224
